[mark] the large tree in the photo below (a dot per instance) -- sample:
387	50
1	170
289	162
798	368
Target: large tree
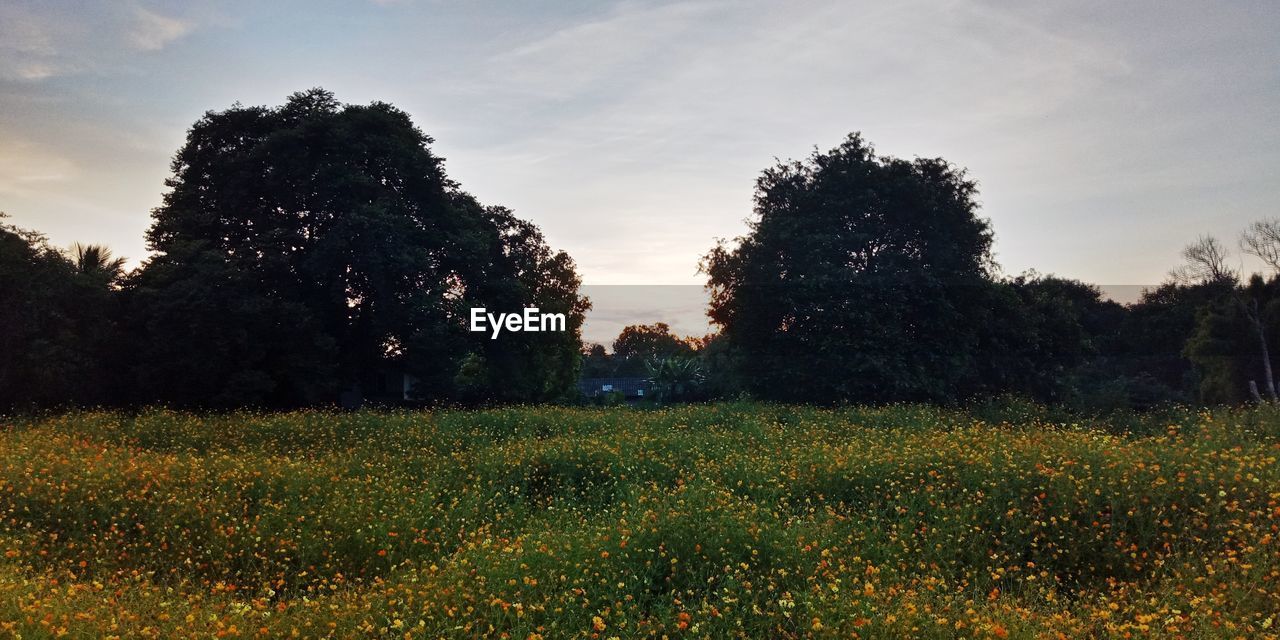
310	248
638	344
862	278
523	270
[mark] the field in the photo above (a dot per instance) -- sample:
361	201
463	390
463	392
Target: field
735	520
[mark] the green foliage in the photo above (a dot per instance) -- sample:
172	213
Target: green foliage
1154	335
728	521
1226	347
675	378
317	248
722	366
869	279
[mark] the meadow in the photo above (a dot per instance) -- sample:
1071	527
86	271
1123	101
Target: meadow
718	521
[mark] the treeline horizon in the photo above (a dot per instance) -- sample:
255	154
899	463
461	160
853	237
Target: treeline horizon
316	250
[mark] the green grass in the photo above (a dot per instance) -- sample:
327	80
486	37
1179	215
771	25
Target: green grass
733	520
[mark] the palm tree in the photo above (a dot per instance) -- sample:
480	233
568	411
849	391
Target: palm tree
96	262
674	377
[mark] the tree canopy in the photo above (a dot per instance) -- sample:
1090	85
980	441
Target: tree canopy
862	278
318	250
315	247
57	322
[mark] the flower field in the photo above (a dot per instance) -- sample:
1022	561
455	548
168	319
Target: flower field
734	520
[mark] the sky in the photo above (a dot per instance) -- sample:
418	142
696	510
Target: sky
1104	136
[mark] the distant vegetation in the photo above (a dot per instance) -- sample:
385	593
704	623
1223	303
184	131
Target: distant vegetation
721	521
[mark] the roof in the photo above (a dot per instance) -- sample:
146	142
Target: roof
630	387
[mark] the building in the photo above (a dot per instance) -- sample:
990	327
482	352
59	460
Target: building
630	388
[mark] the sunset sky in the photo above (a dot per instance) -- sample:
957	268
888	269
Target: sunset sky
1104	135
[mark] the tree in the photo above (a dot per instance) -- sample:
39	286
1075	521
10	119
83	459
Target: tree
596	362
97	263
1205	260
1262	239
1230	343
721	365
314	247
639	343
675	377
57	325
1039	331
862	279
523	270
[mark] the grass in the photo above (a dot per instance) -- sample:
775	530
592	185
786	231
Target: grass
734	520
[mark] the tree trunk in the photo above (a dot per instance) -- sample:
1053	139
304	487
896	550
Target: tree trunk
1266	365
1268	378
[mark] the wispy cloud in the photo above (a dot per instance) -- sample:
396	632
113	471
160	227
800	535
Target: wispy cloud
27	50
673	104
62	40
152	31
25	164
580	56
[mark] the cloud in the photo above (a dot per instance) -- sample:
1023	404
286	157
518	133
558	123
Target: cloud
152	31
58	40
25	164
579	56
695	98
35	70
27	51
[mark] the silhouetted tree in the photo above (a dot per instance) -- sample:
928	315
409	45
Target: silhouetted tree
721	365
862	278
58	331
97	263
310	248
639	343
524	271
1204	260
1262	239
596	362
1038	332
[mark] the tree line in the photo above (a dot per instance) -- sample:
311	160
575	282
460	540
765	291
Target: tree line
300	252
866	278
315	250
